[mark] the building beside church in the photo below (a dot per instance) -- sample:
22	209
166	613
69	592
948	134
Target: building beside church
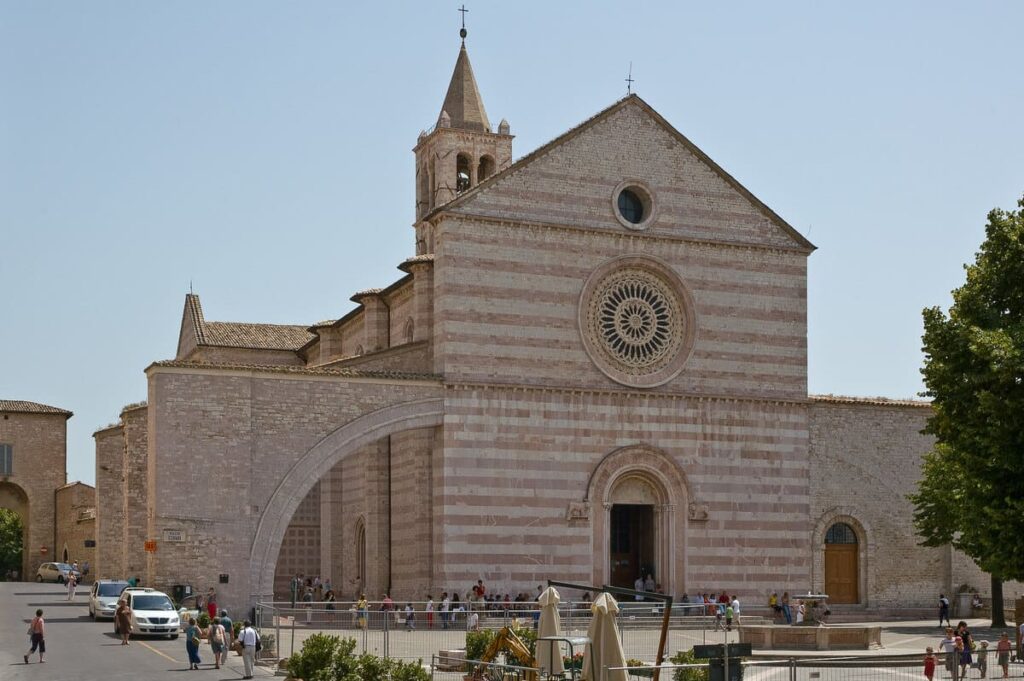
592	365
57	519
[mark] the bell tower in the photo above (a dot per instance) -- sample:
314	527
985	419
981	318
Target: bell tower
461	150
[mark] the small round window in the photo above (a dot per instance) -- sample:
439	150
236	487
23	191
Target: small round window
633	205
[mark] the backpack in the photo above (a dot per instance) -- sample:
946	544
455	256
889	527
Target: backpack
259	643
218	634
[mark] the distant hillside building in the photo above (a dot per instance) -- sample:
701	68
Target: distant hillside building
593	366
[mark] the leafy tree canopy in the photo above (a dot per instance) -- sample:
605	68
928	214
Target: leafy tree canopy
971	494
10	542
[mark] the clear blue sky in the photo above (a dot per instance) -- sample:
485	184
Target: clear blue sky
261	150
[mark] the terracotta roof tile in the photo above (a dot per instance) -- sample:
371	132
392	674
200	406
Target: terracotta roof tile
877	401
255	336
23	407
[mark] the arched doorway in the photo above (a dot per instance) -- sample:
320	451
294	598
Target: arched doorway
639	498
14	526
632	530
361	555
842	577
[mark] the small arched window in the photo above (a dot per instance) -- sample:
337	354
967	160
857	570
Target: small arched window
840	533
408	330
462	173
359	350
361	555
486	168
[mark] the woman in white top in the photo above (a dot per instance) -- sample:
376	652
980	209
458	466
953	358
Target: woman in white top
801	610
430	612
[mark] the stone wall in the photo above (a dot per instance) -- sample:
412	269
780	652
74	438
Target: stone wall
135	498
39	443
300	548
109	563
76	523
411	509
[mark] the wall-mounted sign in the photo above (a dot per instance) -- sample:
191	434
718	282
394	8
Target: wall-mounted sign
43	550
174	536
150	546
223	578
90	543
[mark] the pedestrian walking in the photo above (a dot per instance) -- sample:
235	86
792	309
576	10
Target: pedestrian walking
72	584
430	611
218	641
410	617
294	588
229	630
123	617
983	658
37	636
250	641
944	610
193	637
948	647
362	606
786	611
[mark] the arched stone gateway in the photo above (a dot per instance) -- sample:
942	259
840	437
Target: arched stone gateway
640	498
14	498
313	465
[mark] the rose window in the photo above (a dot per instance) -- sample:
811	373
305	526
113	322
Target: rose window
636	324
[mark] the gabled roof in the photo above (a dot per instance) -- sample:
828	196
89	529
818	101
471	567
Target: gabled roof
24	407
463	104
241	334
800	240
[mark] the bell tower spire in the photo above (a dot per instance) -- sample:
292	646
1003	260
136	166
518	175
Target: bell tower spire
461	150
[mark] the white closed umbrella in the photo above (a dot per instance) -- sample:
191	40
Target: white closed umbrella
605	648
549	653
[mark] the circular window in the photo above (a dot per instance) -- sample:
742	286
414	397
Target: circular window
637	322
633	205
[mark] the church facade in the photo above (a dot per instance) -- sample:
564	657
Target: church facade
592	366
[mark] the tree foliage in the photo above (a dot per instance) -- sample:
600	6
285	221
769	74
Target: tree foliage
10	542
971	494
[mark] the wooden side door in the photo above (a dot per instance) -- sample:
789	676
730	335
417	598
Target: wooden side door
841	578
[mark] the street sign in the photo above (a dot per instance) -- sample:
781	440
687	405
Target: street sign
150	546
717	651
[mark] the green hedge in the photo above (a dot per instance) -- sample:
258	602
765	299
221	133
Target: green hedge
330	658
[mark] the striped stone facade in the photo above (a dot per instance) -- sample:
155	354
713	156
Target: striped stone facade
466	421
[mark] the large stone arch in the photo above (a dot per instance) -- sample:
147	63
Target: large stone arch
865	547
667	482
316	463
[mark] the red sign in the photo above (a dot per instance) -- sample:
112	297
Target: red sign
151	546
43	550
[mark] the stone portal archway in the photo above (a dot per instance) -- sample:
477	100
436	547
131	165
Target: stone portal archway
841	532
315	464
15	499
647	482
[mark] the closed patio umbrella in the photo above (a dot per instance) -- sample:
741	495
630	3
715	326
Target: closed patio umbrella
605	648
549	653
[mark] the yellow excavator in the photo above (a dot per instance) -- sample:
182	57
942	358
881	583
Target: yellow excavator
511	644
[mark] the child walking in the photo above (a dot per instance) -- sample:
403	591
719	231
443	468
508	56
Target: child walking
36	630
983	658
929	663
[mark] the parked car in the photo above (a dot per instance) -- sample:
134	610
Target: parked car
153	613
103	597
56	572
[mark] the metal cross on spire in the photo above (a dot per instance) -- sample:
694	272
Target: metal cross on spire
629	80
462	31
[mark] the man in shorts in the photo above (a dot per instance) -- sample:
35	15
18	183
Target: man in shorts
36	630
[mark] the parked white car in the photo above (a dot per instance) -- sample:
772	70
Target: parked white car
103	597
153	613
56	572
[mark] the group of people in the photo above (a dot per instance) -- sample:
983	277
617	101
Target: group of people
959	650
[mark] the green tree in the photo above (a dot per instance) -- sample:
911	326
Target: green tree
10	542
971	494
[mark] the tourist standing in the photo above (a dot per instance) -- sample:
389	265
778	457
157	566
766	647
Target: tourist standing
638	585
801	611
211	602
248	638
446	606
410	617
37	636
361	609
430	611
218	641
123	615
193	637
736	609
72	583
1003	654
293	587
786	611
